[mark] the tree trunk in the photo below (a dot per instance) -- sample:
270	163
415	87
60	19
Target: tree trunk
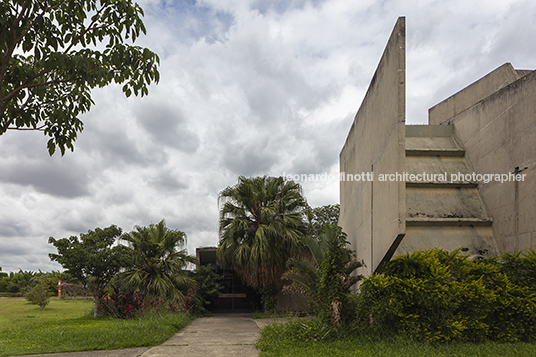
95	300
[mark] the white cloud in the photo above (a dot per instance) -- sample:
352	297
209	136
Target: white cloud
247	88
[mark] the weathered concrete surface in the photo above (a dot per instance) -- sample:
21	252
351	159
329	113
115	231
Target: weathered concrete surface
373	212
473	241
220	335
498	132
442	212
487	85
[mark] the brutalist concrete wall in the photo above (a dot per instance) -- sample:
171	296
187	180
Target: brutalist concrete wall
499	135
487	85
373	211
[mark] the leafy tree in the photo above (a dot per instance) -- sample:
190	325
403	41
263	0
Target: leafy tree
318	217
261	227
92	259
158	262
40	293
54	52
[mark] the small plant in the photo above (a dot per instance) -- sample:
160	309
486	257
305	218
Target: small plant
333	279
39	294
268	298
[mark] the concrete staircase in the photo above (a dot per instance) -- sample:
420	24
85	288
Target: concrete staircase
442	208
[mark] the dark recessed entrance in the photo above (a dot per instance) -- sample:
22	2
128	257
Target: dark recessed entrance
235	297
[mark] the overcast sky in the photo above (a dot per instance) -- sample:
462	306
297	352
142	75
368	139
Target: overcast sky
247	88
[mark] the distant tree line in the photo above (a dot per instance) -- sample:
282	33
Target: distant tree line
19	283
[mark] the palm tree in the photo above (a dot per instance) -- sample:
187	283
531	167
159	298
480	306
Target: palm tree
261	227
158	262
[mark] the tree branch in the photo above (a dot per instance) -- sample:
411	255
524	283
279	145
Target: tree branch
96	16
41	128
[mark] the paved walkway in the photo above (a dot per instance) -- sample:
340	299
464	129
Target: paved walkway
219	335
216	336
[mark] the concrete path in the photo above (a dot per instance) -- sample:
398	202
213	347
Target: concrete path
219	335
215	336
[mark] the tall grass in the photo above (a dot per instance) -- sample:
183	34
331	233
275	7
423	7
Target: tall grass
65	326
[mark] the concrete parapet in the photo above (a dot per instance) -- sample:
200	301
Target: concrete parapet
474	93
373	212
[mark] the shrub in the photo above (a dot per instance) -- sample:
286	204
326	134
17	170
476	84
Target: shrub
39	294
208	287
521	270
120	303
440	296
132	303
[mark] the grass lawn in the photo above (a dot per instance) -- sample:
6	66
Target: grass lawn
287	339
66	325
362	348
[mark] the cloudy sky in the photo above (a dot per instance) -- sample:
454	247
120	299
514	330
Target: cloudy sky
248	87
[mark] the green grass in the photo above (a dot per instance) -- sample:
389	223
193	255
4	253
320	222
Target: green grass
270	315
301	339
361	347
66	325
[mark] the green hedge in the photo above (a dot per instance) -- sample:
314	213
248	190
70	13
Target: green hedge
440	296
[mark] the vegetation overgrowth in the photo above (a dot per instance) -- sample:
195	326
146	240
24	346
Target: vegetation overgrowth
437	295
427	303
279	340
69	325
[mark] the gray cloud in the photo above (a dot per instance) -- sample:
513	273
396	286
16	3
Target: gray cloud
47	176
167	126
247	88
167	182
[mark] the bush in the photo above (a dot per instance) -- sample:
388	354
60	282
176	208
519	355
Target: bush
129	304
39	294
440	296
521	270
208	287
119	303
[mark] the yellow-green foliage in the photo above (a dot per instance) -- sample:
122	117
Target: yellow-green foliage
440	296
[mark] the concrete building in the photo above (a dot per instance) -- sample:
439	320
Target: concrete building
465	181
